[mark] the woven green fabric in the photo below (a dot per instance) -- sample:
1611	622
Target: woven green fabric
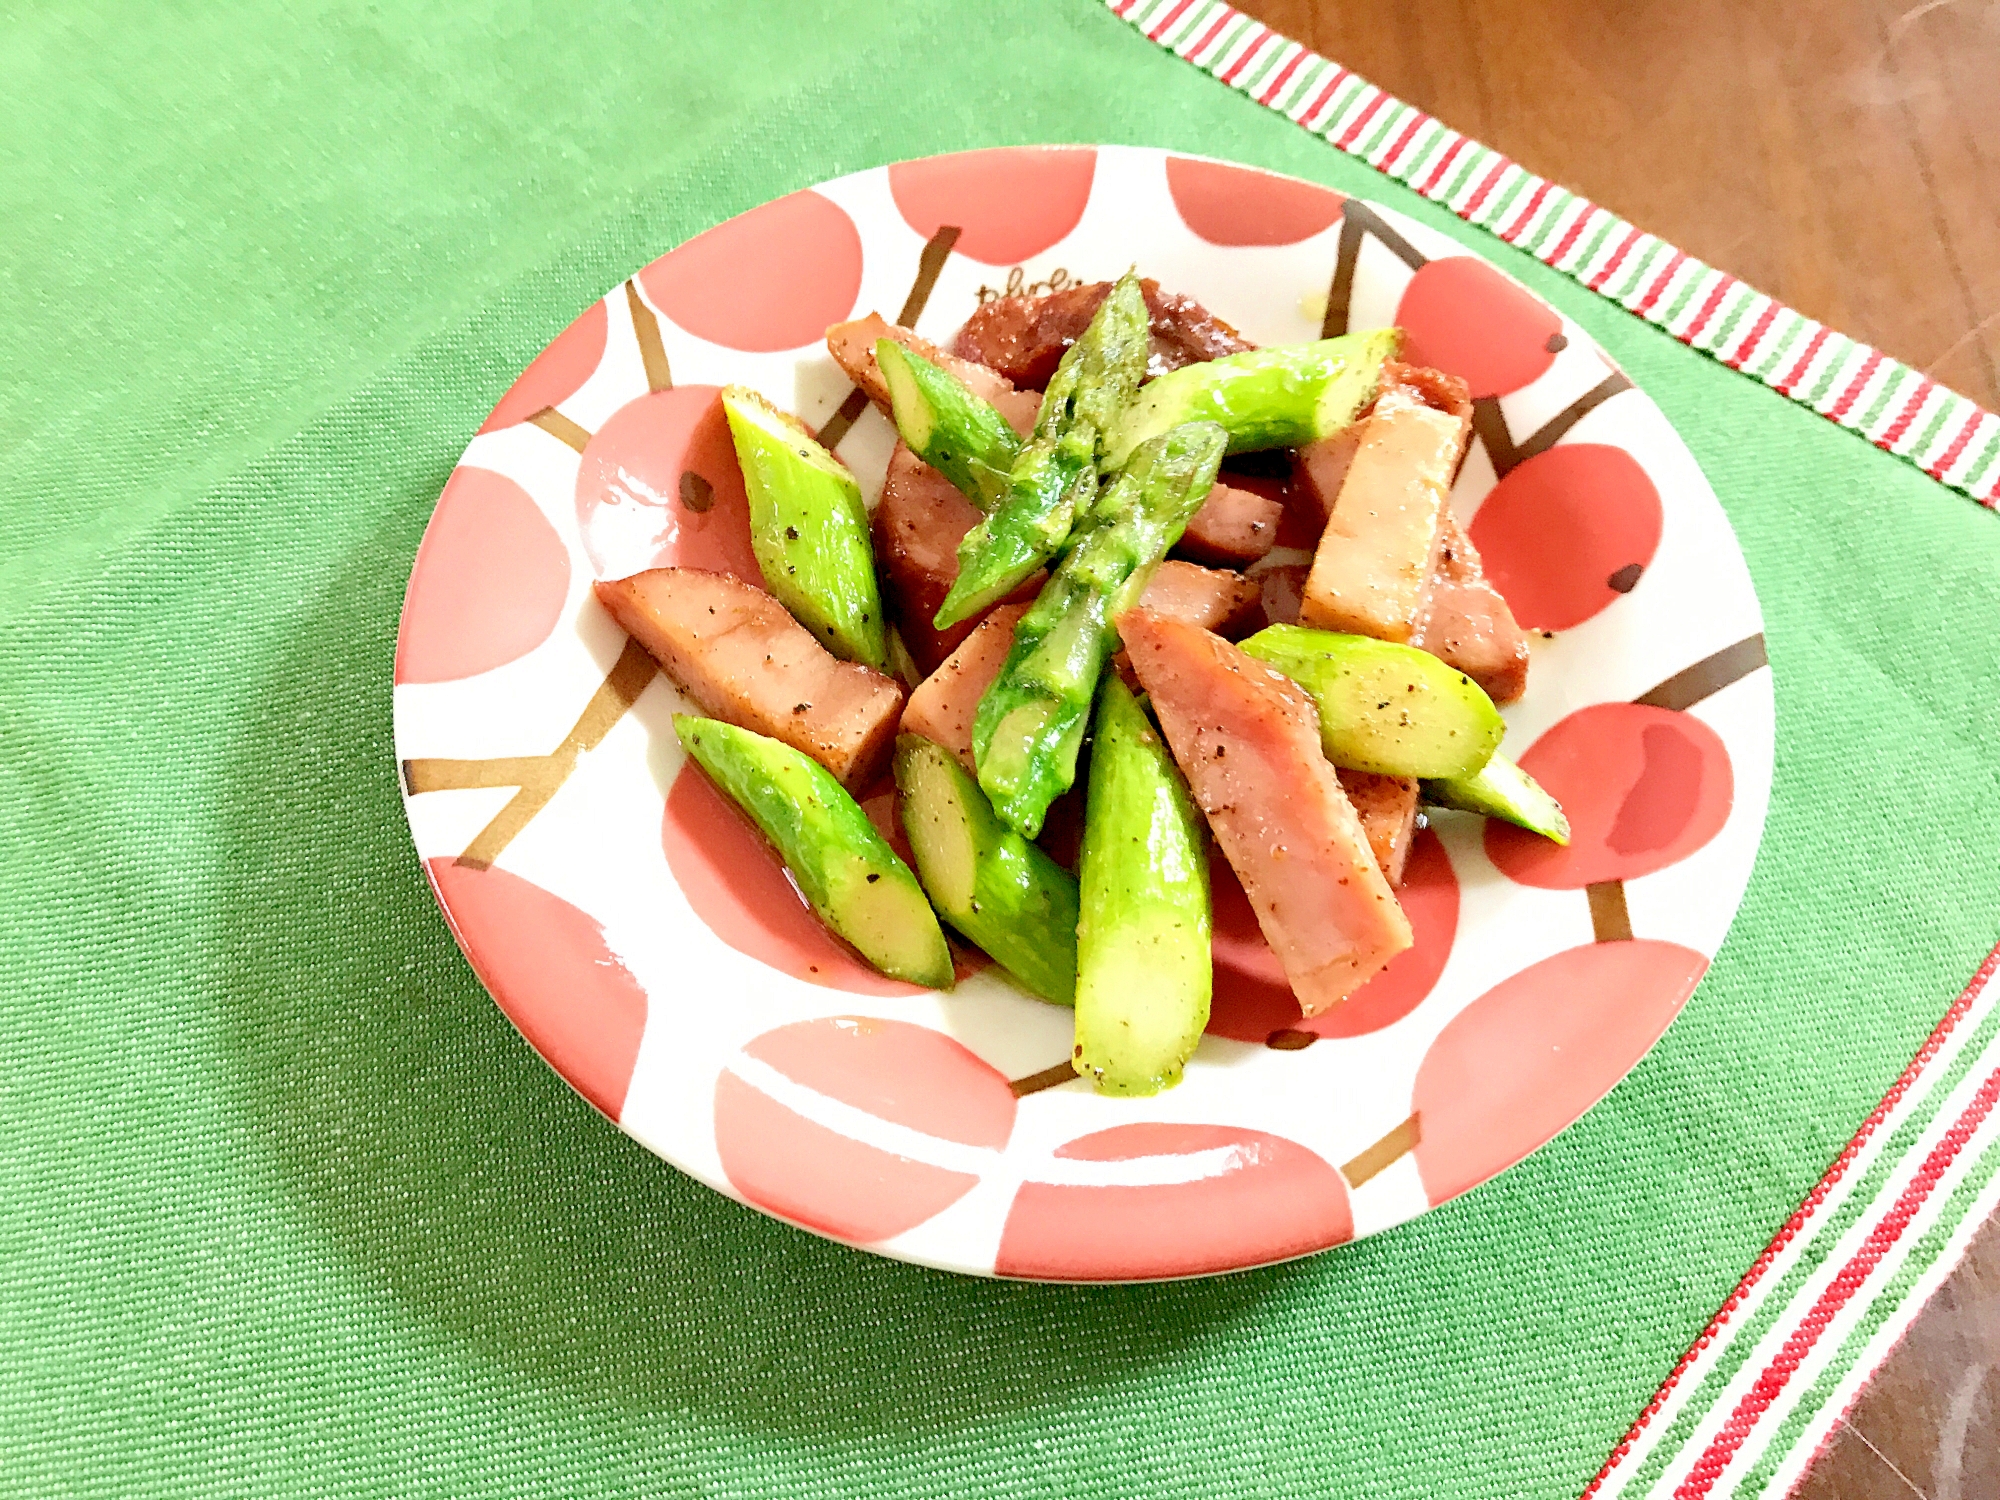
286	1208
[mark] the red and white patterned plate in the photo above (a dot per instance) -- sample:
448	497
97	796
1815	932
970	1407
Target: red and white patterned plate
652	950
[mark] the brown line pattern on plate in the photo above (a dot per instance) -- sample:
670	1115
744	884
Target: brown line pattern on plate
1340	291
561	428
1048	1078
1385	1153
1498	441
1553	431
1708	676
1357	221
652	348
936	251
438	773
539	777
829	436
1354	211
1610	921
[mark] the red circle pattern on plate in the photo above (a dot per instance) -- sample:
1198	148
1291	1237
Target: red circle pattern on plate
1528	1057
558	372
1643	787
659	486
1462	316
1566	533
1268	1199
900	1073
766	280
488	584
1231	205
737	885
547	965
1252	999
1009	202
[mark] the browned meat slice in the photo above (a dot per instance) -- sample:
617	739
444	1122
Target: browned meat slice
1468	624
1372	572
943	704
852	346
1024	337
1425	386
1233	528
1227	603
1248	739
918	524
1319	469
1387	807
739	654
1283	588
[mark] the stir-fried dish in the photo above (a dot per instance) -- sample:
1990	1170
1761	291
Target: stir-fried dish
1064	611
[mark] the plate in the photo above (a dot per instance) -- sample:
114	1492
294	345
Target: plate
652	950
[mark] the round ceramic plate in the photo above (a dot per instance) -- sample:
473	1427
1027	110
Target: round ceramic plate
652	949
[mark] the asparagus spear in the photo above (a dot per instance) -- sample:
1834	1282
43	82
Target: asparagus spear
808	528
844	868
994	886
1279	397
953	430
1501	789
1053	479
1384	707
1030	723
1143	970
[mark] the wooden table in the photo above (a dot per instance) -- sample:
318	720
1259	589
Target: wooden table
1844	156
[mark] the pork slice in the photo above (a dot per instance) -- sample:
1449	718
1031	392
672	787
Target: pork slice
1467	623
942	707
1227	603
852	346
1371	574
1387	807
918	524
1232	529
1024	338
1424	386
1283	589
1319	469
1248	740
739	654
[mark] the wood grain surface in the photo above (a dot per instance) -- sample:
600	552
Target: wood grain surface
1843	156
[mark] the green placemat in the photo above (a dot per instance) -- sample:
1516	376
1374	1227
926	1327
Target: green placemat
287	1207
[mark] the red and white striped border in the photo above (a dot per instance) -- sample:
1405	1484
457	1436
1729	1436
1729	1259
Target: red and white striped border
1736	1440
1860	388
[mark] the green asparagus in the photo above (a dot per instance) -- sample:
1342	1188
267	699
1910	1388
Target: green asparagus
1143	969
994	886
1279	397
954	431
1501	789
1390	709
1030	722
808	528
843	867
1053	481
